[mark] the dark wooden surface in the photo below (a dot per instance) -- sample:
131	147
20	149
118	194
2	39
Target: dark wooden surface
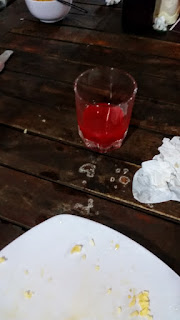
39	171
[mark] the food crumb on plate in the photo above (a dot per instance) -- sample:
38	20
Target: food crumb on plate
134	313
84	256
119	309
28	294
3	259
143	301
144	312
42	273
76	249
117	246
97	267
109	290
92	242
132	302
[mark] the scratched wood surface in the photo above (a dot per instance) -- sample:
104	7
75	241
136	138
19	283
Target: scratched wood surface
35	200
40	170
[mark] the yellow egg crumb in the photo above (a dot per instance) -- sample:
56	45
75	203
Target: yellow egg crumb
76	249
92	242
84	256
119	310
129	297
2	259
28	294
144	312
97	267
109	290
132	302
134	313
144	303
42	273
117	246
143	294
26	272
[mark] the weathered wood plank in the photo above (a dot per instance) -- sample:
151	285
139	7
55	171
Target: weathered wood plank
55	100
10	16
101	18
91	55
125	42
139	145
52	67
53	161
109	22
8	233
94	2
28	200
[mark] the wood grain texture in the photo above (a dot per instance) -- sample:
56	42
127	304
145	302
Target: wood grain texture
35	200
53	160
140	144
125	42
90	55
11	15
40	170
55	101
165	88
8	233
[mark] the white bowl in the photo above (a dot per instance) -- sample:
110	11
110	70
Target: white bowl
48	11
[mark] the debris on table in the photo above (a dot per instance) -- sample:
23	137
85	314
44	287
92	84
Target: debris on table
160	24
158	180
112	2
4	57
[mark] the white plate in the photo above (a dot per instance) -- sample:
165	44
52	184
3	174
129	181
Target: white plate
93	284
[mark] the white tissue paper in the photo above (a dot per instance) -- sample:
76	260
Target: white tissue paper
159	179
112	2
160	24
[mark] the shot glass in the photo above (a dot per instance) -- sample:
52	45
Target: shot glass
104	101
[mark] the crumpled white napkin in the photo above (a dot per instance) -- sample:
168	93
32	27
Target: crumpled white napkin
160	24
159	179
111	2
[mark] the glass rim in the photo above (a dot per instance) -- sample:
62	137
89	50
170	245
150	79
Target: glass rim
108	68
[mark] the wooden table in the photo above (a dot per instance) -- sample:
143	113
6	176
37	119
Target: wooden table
39	170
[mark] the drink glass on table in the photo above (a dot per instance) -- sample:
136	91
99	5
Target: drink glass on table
104	101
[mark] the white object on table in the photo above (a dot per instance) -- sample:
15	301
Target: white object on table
4	57
169	9
112	2
159	179
43	278
160	24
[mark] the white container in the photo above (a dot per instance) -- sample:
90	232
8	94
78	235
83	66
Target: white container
48	11
169	9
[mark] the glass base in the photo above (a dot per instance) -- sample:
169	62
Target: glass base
99	148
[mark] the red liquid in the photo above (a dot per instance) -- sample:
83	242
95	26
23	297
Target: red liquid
103	124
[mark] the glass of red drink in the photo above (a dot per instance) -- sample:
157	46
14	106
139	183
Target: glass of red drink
104	101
